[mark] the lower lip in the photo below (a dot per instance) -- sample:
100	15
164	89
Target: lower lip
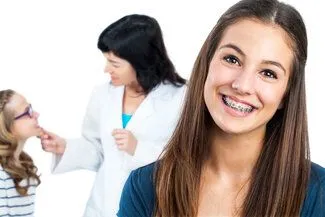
234	112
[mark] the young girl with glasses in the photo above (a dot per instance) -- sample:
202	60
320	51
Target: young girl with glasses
18	174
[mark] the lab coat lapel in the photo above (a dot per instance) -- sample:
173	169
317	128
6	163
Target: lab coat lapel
111	118
147	107
112	108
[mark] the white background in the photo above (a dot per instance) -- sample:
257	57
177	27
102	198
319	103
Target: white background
48	53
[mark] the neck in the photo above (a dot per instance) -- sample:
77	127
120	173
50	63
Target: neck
235	155
133	90
19	149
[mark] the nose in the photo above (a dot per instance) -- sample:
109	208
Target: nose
108	68
244	82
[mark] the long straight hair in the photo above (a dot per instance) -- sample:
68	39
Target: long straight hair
280	176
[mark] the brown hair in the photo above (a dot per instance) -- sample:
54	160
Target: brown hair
24	168
280	176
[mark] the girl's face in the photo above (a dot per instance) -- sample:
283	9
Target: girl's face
248	76
120	70
25	124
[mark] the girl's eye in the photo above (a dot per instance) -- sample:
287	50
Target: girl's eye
269	74
231	59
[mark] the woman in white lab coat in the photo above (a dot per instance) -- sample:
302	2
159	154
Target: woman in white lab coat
129	119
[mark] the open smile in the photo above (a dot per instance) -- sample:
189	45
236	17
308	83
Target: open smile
239	107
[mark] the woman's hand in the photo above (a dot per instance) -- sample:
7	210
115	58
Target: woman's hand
52	142
125	140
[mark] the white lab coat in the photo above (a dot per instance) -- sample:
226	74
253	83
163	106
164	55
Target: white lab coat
152	124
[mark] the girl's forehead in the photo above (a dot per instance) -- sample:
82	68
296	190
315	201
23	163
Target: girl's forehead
17	103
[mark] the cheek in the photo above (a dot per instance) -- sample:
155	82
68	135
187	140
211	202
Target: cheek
209	92
220	75
271	95
216	77
210	82
17	130
23	131
127	74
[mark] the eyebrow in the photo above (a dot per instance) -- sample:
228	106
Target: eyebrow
232	46
236	48
275	64
113	61
26	108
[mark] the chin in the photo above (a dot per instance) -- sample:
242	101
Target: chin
233	128
36	132
116	83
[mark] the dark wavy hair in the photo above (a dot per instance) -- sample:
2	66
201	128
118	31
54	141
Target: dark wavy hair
138	39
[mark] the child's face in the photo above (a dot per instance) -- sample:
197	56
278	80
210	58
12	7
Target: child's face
248	76
25	124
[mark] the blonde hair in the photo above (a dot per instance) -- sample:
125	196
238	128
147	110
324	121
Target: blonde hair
19	169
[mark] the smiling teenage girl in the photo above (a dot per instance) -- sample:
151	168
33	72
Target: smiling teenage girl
241	145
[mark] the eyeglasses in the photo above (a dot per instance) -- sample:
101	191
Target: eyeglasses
28	112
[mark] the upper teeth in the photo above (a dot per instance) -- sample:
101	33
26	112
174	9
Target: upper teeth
237	105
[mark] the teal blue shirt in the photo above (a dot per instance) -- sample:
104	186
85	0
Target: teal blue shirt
138	196
125	119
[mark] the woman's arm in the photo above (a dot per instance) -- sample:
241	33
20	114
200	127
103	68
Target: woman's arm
82	153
